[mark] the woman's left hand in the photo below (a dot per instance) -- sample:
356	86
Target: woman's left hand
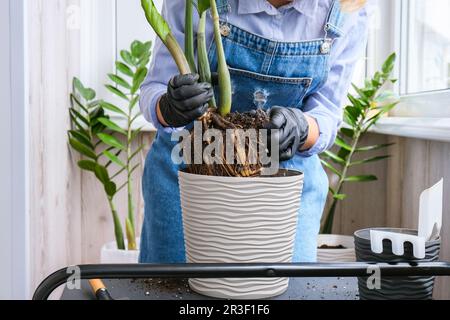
292	130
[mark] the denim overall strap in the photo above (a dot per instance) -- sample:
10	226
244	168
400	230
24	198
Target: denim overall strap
223	6
335	20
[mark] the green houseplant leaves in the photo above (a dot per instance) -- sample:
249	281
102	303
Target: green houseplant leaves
366	107
102	141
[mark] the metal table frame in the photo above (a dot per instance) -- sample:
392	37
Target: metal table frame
299	270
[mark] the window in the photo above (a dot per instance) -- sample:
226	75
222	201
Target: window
418	31
427	44
107	27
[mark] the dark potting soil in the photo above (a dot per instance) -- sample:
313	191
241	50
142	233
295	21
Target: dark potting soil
332	247
249	120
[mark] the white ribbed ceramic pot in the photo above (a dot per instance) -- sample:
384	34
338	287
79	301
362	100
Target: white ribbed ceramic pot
240	220
336	255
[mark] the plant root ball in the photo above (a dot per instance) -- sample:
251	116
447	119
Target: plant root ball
239	123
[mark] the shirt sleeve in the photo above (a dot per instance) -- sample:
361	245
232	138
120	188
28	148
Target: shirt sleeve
162	66
325	106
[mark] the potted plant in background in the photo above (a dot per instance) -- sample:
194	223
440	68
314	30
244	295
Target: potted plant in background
366	107
107	148
230	212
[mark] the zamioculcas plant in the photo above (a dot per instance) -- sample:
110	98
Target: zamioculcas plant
366	107
219	117
103	142
184	60
204	68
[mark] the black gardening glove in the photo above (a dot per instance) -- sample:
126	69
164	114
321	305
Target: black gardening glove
185	101
293	129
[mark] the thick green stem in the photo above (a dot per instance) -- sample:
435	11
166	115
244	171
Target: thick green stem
189	36
202	52
222	68
130	223
177	54
117	226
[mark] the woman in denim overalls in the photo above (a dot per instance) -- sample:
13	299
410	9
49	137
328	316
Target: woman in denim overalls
265	73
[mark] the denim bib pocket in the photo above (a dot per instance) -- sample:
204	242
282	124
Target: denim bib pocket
256	90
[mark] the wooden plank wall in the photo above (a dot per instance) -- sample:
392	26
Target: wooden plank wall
55	183
70	219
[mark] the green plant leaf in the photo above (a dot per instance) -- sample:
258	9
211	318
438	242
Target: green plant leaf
78	126
339	196
374	159
138	78
343	153
110	188
113	158
341	143
81	148
203	5
374	147
117	154
119	81
332	169
155	19
142	63
348	132
87	93
82	138
123	68
388	65
335	158
101	173
110	141
354	112
349	120
87	165
74	100
362	94
362	178
355	102
111	125
127	57
137	49
78	116
117	92
113	108
93	104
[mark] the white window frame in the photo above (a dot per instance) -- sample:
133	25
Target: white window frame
99	22
424	115
14	224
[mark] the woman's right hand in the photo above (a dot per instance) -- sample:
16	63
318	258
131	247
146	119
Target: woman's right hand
185	101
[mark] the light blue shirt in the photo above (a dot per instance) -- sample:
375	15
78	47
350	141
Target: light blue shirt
300	20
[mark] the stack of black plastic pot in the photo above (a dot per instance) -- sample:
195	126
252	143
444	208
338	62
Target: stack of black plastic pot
394	288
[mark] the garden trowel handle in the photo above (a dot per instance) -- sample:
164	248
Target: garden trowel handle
100	290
